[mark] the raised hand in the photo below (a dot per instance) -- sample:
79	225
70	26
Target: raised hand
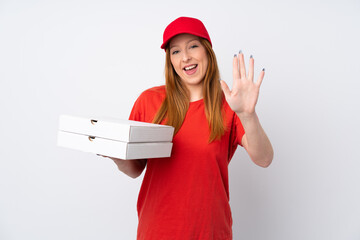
243	97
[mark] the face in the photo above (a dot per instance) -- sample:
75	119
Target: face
189	59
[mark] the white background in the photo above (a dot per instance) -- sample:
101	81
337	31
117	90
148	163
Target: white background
96	57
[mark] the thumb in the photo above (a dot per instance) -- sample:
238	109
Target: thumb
225	88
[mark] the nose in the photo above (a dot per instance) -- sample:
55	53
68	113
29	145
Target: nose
186	57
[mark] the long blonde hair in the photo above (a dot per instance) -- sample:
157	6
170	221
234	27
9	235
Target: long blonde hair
176	102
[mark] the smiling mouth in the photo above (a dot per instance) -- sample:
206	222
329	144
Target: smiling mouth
190	67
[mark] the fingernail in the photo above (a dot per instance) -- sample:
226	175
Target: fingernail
240	52
251	56
263	69
235	55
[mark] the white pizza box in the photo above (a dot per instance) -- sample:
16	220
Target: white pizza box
113	148
116	129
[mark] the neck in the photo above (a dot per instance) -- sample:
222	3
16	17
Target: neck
196	92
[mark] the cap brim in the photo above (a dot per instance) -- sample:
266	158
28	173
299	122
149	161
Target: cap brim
163	46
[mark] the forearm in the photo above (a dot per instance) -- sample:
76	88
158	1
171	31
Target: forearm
132	168
256	142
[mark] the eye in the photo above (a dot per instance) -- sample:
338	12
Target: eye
175	52
194	46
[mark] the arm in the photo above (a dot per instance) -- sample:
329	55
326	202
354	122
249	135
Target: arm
255	141
132	168
242	100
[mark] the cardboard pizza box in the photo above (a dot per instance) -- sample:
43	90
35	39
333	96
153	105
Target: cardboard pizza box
113	148
116	129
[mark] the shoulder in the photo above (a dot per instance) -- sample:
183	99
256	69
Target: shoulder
231	117
233	124
147	104
226	108
152	96
158	91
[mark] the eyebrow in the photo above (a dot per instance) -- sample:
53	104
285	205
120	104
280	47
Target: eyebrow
186	42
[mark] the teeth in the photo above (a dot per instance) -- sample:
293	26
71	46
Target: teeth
191	67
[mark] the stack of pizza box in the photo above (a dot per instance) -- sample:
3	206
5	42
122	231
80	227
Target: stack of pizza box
124	139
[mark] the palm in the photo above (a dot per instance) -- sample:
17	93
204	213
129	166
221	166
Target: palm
243	97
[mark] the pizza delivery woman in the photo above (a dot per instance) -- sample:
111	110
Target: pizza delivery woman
186	196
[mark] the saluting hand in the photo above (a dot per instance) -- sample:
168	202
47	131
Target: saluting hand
243	97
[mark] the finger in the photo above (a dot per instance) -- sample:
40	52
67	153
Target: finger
251	69
242	65
225	88
261	77
236	73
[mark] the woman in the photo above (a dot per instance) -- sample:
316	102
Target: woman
186	196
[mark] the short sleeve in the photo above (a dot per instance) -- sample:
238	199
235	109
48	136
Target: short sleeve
137	113
238	130
236	133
